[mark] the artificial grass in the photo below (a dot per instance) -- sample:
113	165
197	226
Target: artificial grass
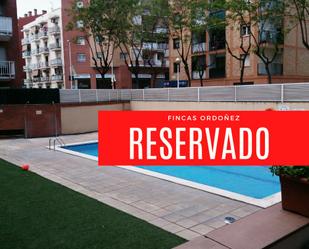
37	213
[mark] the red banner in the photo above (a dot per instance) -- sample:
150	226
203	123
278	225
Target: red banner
203	138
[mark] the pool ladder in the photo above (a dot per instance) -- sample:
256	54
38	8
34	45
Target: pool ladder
53	141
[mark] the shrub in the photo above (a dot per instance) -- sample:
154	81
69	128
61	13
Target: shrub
293	171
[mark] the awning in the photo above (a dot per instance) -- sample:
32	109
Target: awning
81	76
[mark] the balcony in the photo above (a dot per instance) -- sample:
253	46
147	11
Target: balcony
7	70
216	73
275	69
6	28
196	75
44	65
26	54
57	78
55	46
54	30
199	48
27	68
34	37
43	35
25	41
35	66
44	50
27	81
45	79
272	37
35	52
56	62
216	45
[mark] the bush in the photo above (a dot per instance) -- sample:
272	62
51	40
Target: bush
294	171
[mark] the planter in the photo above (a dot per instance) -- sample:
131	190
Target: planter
295	195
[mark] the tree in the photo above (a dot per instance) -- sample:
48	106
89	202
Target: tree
99	24
260	24
140	35
299	10
185	18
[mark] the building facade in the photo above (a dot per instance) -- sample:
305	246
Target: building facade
10	73
22	21
220	68
42	51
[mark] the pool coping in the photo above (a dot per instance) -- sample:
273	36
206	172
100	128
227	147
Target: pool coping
263	203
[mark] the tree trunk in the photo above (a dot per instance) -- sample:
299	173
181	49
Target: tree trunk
187	70
269	76
242	72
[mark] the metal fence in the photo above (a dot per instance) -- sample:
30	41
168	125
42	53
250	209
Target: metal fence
294	92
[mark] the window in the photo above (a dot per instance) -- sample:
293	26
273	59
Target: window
176	43
81	57
176	67
247	60
79	4
99	55
245	29
123	56
80	40
80	24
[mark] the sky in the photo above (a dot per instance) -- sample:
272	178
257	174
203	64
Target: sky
23	6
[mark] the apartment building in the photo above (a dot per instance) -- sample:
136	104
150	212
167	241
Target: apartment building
42	51
10	76
220	68
152	73
22	21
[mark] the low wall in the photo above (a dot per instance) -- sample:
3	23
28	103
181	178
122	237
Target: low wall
84	118
157	105
40	120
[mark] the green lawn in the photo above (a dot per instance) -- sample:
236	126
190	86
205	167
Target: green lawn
37	213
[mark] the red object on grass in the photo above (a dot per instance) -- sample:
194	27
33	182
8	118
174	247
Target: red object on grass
25	167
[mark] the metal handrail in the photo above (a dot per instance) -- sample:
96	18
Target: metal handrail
53	141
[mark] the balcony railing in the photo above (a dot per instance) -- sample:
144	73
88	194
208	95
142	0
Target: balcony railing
35	66
199	47
27	68
273	37
25	41
274	68
54	46
45	79
196	75
35	51
7	69
44	64
27	81
56	62
34	37
216	73
57	77
26	54
44	50
216	45
43	34
6	28
54	30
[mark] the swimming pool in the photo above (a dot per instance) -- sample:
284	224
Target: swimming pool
254	185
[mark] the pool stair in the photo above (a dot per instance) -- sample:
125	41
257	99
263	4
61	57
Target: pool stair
271	228
52	143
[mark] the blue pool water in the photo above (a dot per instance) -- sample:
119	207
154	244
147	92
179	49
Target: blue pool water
256	182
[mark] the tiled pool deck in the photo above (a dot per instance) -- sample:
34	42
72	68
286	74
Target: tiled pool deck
184	211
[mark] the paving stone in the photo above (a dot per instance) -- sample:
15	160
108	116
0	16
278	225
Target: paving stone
187	223
187	234
202	229
173	228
